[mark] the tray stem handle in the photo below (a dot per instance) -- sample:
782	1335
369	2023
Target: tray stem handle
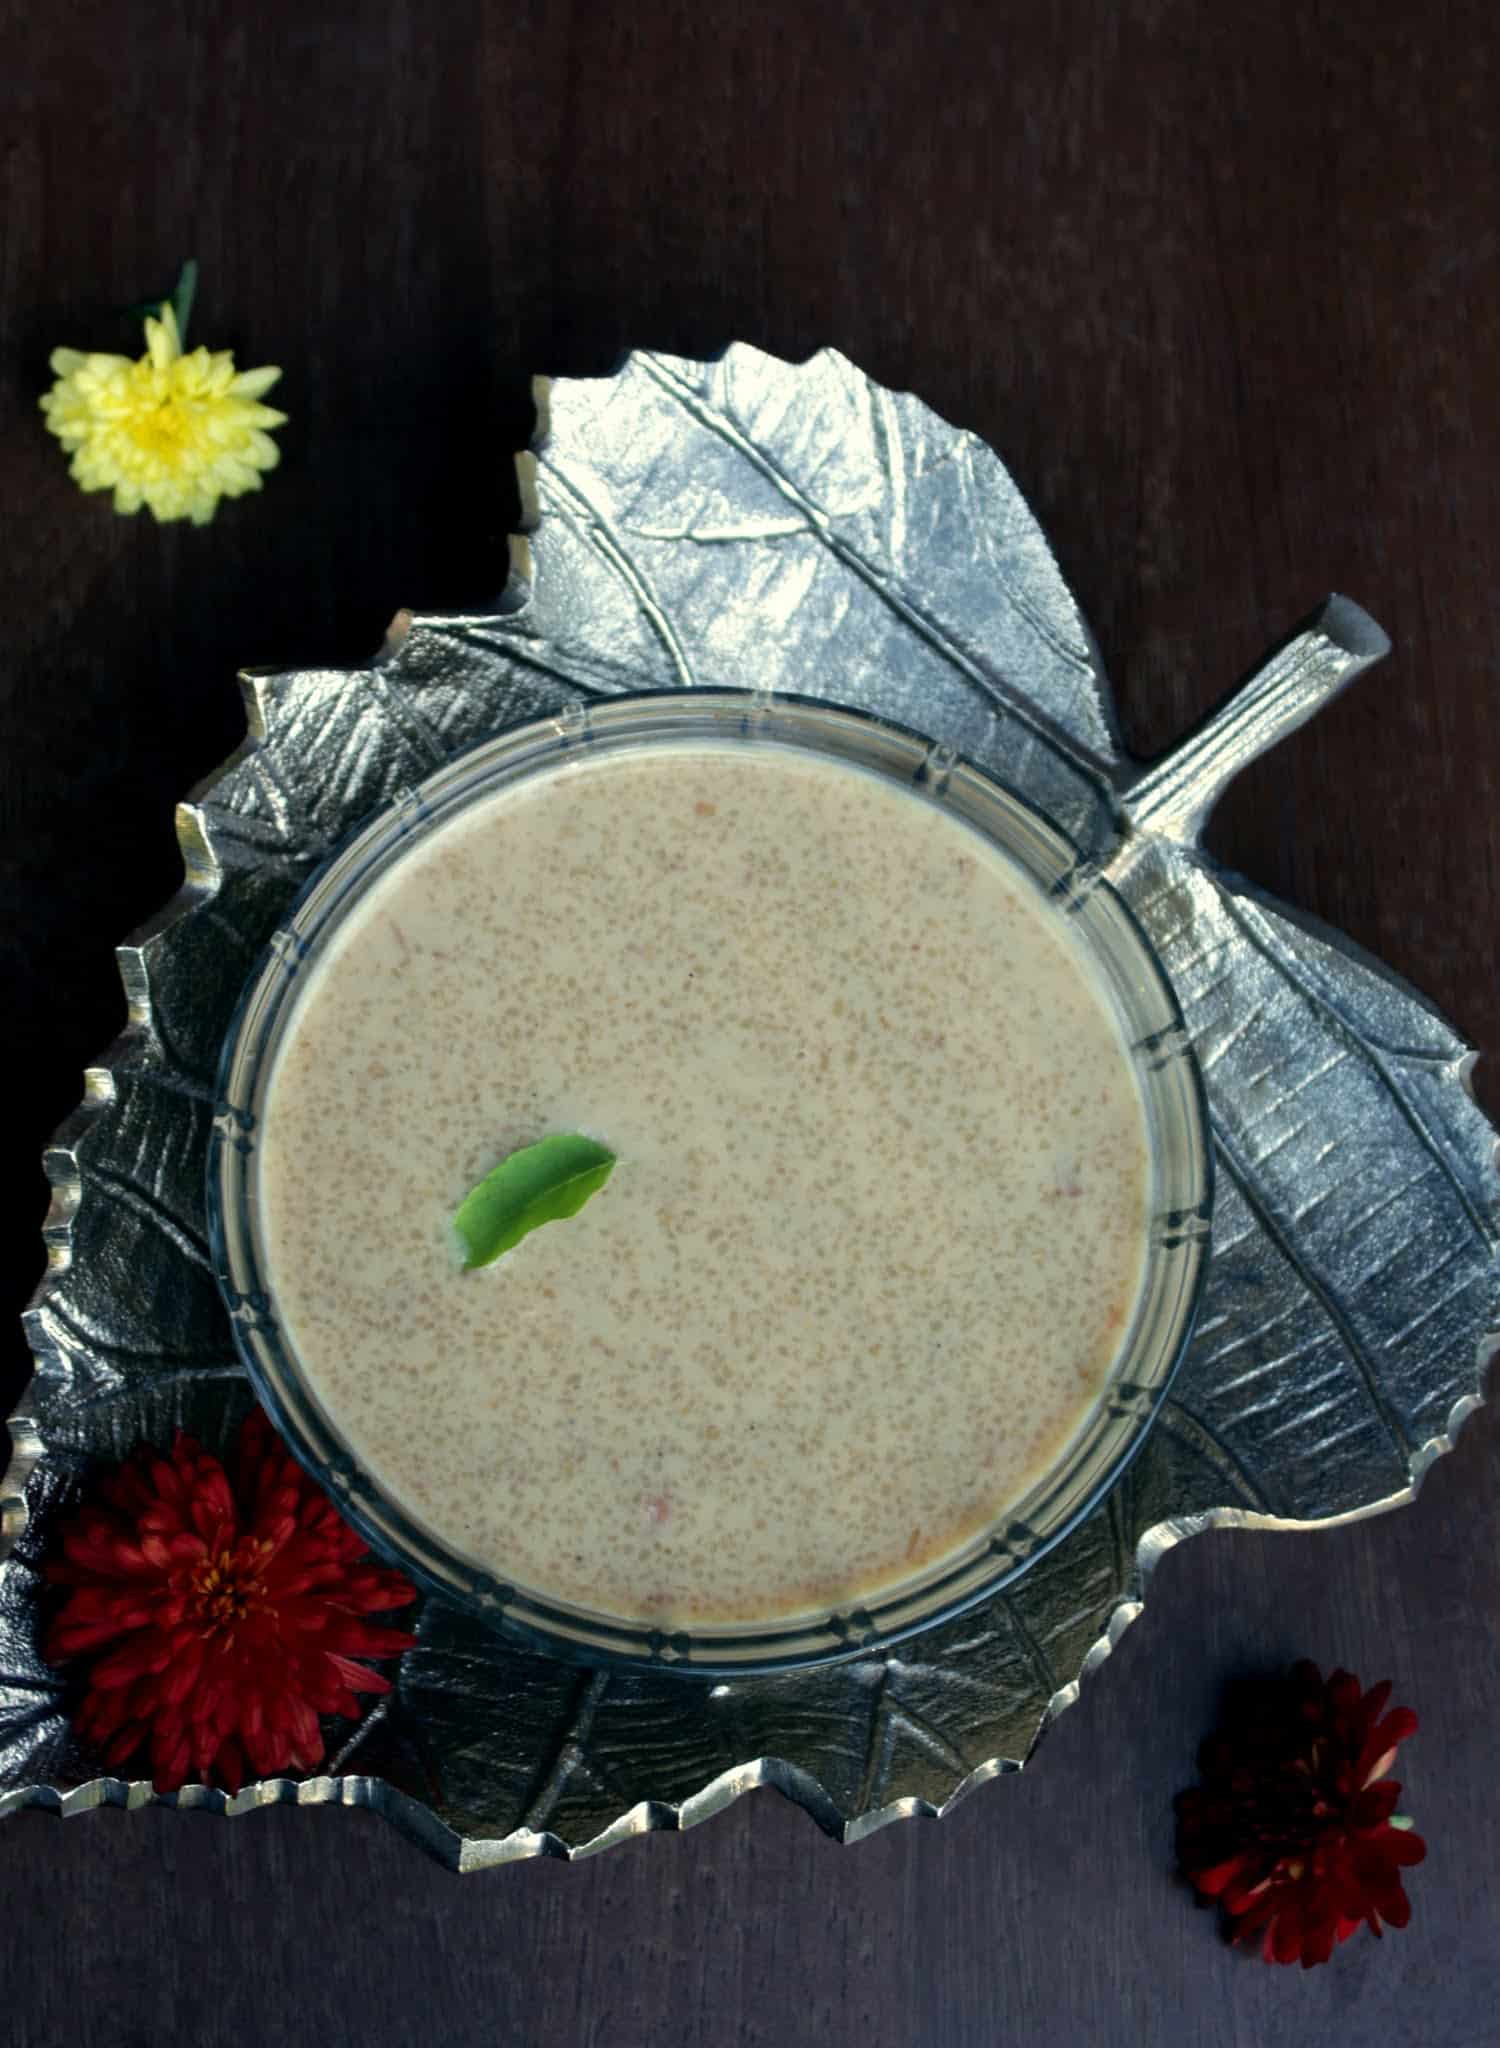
1174	796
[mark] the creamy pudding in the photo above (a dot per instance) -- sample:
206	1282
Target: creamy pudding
878	1224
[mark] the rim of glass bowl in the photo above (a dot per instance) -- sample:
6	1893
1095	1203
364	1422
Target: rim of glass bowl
1171	1086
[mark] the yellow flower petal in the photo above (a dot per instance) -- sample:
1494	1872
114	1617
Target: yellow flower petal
163	342
254	383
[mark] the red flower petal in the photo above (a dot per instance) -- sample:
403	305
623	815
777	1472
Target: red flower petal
359	1677
1373	1805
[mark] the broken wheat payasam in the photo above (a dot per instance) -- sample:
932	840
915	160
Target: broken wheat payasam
877	1227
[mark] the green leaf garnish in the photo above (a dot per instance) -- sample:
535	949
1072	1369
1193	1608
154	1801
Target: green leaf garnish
539	1184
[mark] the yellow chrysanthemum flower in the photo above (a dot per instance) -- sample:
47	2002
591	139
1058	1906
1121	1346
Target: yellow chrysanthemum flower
172	431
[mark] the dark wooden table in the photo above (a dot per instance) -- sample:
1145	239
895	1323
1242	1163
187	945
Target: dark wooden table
1223	286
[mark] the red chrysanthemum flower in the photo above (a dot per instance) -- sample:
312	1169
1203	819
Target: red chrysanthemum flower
221	1619
1294	1828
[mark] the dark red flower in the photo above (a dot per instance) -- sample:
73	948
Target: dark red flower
1292	1828
220	1620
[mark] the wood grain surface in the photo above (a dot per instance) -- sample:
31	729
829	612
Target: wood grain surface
1223	287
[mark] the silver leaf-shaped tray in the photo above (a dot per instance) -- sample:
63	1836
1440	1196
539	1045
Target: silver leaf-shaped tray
749	522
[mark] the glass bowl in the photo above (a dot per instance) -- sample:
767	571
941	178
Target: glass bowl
1168	1078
